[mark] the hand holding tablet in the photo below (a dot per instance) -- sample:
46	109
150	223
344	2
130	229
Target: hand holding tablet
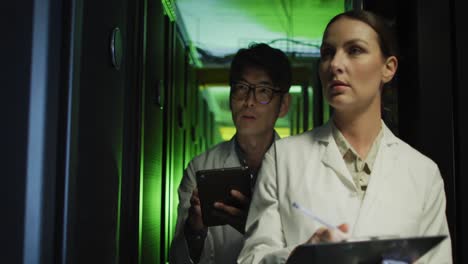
224	196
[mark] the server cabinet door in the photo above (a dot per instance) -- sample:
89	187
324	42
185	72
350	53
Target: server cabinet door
102	85
153	156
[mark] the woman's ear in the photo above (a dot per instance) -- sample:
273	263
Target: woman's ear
389	69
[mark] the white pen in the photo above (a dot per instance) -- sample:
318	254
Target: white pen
346	236
310	214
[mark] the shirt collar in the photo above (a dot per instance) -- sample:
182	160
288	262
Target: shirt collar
346	149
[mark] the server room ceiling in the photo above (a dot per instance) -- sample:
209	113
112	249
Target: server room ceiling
216	29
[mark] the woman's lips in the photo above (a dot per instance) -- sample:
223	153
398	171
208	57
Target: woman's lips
337	87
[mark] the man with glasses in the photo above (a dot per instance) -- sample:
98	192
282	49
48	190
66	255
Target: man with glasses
260	78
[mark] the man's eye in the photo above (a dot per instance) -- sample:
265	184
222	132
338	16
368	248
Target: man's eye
241	87
264	90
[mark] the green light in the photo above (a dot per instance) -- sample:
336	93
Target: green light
169	9
310	92
168	196
142	151
222	27
296	89
302	19
119	200
194	56
141	198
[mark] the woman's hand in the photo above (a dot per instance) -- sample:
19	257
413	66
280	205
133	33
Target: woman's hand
324	234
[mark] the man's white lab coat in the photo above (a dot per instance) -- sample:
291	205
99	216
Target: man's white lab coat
222	242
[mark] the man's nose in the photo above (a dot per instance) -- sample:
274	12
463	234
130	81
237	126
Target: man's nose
250	98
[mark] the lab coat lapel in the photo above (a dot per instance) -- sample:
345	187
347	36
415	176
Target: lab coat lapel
231	159
332	157
384	168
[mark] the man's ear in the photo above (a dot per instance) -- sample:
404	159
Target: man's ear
389	69
284	107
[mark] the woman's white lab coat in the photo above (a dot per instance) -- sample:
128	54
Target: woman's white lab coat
405	196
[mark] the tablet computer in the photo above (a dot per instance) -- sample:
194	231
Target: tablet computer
372	251
215	185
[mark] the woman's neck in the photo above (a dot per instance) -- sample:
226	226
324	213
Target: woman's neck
360	130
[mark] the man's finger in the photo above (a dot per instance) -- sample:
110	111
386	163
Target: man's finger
238	222
228	209
240	197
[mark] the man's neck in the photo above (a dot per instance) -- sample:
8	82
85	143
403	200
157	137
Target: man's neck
254	147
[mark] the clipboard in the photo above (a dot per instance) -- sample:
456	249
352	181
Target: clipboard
215	186
372	251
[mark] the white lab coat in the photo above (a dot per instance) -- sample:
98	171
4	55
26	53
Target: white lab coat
223	243
405	196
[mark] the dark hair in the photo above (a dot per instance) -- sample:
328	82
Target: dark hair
260	55
385	33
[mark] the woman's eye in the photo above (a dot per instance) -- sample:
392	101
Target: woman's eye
326	52
355	51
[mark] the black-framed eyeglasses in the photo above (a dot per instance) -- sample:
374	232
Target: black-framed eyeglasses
263	93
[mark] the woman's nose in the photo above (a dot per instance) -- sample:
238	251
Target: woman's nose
336	64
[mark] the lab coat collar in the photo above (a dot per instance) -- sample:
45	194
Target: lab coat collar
324	134
230	158
333	159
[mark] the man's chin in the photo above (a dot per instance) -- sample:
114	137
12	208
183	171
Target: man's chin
250	132
247	131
